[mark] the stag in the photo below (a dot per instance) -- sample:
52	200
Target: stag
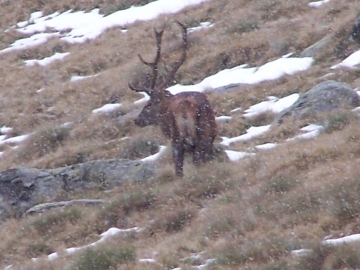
186	118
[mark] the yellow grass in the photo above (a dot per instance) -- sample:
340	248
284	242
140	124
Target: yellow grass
247	215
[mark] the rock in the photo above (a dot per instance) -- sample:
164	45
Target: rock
355	34
227	88
21	188
326	96
44	206
103	174
317	47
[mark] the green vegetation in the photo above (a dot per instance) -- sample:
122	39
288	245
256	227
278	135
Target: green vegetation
104	257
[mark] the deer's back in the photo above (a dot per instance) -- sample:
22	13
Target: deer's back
192	117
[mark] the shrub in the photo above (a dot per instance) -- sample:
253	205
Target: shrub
173	221
104	257
55	222
44	141
115	212
230	255
220	227
346	200
337	121
139	148
38	247
338	257
169	262
280	185
255	250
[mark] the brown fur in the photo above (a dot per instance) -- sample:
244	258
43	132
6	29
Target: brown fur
187	119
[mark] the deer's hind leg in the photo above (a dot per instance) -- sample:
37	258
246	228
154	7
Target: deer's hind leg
178	150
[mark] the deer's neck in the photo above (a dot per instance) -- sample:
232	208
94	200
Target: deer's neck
165	121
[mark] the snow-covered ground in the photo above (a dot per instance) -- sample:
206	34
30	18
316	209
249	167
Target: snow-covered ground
78	27
317	4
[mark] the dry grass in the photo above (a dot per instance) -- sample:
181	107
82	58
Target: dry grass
247	215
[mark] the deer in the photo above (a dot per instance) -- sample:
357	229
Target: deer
186	118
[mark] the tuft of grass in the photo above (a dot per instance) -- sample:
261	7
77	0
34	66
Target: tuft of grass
280	185
115	213
337	257
42	142
138	148
261	119
166	175
220	227
254	251
38	247
173	221
230	255
104	257
277	265
346	200
337	121
169	261
305	161
56	222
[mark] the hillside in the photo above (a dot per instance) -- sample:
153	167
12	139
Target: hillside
278	195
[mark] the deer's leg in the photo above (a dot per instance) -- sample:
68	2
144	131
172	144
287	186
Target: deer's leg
208	152
178	156
196	154
204	150
199	151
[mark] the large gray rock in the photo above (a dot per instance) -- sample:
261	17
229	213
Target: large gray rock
103	174
317	47
324	97
21	188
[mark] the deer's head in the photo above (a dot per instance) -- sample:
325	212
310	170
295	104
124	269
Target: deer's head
152	112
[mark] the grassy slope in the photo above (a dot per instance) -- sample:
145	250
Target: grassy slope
247	216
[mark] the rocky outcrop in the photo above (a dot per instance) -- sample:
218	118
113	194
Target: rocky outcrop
324	97
45	206
21	188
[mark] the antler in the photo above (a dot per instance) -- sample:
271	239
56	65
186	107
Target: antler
176	67
154	65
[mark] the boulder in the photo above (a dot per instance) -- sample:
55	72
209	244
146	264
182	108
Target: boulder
103	174
326	96
21	188
317	47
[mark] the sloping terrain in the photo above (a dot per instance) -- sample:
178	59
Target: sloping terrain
267	200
